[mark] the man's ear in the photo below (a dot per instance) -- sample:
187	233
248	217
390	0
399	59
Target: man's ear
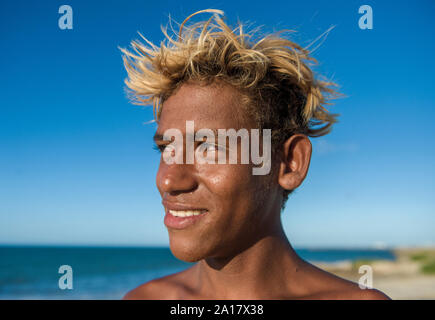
295	161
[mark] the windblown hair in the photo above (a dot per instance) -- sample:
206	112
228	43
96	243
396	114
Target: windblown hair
273	75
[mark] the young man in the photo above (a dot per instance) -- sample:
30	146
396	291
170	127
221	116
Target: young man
221	214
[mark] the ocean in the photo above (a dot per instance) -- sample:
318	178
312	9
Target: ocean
110	272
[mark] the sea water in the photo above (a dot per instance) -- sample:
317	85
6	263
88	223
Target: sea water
110	272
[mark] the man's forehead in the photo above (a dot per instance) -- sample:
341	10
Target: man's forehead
209	107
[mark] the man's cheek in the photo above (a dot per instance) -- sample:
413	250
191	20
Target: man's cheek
229	176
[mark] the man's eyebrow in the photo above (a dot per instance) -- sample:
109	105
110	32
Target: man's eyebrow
159	137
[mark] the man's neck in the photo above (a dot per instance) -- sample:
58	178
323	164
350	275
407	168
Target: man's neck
256	272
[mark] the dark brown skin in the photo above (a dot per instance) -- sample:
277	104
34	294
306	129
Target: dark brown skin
240	246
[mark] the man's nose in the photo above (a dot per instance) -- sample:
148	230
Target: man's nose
176	178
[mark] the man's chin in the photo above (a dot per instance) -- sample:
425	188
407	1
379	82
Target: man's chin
187	252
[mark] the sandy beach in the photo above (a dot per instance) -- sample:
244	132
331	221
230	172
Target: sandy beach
411	276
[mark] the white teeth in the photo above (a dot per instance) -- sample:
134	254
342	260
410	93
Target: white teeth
185	213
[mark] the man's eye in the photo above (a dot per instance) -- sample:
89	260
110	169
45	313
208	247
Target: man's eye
210	147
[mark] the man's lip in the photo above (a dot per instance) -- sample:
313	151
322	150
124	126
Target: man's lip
179	223
180	206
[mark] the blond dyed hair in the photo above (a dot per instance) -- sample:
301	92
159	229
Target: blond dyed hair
273	74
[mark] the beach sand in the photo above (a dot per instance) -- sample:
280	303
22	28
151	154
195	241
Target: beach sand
411	276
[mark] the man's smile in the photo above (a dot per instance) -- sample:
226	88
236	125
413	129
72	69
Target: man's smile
180	216
185	213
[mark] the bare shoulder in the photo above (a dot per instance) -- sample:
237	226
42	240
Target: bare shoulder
367	294
354	293
331	287
152	290
170	287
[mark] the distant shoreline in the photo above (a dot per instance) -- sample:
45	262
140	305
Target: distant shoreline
410	276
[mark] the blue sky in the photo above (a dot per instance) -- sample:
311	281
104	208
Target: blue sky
76	159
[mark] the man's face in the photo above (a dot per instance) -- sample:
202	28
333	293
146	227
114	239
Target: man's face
236	206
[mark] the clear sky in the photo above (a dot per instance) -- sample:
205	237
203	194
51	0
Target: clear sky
76	159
